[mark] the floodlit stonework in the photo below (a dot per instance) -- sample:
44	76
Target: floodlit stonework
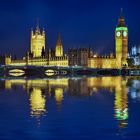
38	56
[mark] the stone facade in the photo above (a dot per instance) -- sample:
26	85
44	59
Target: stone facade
38	56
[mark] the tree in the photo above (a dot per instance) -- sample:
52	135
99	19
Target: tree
15	57
43	52
130	62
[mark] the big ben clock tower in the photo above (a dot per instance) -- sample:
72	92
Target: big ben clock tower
121	39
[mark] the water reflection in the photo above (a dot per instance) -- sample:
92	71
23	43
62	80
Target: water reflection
121	103
134	88
37	102
58	96
40	91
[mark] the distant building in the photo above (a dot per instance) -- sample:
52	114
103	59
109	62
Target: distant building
78	57
135	55
135	50
40	57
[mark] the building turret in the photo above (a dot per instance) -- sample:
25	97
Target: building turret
59	47
37	42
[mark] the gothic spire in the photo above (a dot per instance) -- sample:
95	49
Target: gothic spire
121	22
121	15
59	42
37	26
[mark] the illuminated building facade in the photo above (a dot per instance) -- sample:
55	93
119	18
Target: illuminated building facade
59	47
102	62
121	40
37	42
118	60
37	56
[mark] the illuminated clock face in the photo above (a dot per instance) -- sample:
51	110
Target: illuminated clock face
118	34
124	33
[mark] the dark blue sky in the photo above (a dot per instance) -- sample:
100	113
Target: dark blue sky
80	22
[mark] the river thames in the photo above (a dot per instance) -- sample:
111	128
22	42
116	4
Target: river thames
81	108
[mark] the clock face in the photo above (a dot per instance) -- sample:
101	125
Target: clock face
124	33
118	34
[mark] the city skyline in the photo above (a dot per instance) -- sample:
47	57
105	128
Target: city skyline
69	69
78	27
40	55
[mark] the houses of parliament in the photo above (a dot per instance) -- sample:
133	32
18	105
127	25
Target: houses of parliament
39	55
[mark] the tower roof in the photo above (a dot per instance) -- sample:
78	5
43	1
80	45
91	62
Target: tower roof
37	27
121	15
121	21
59	42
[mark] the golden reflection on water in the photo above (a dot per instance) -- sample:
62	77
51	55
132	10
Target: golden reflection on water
58	96
121	103
38	89
37	102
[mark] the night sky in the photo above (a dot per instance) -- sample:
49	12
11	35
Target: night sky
80	22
